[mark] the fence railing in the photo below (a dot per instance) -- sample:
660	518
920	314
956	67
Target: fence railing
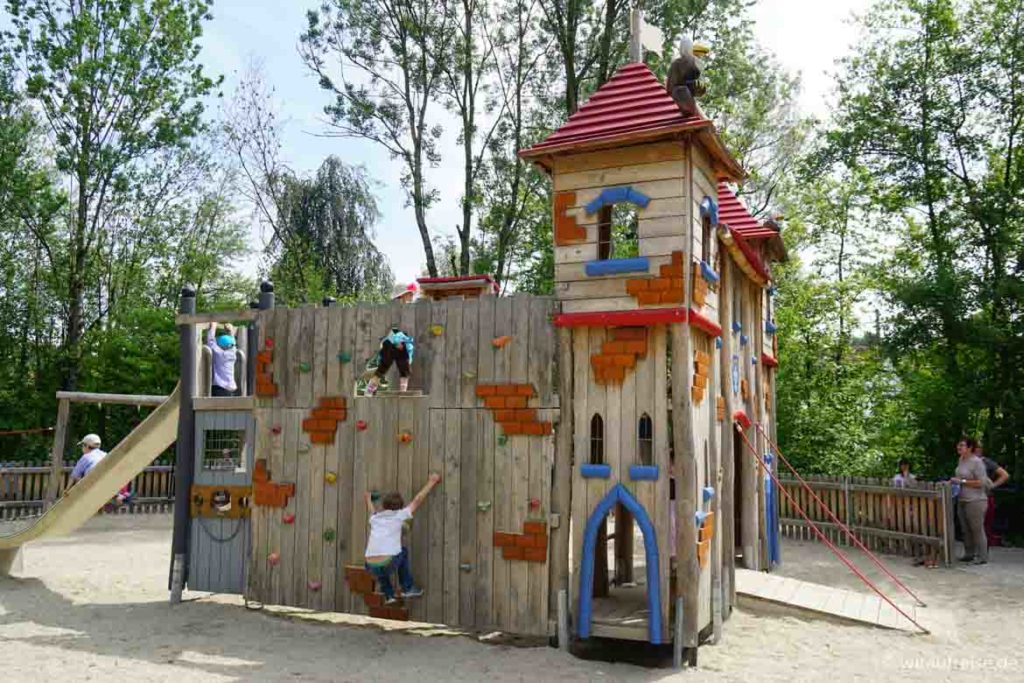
915	521
23	489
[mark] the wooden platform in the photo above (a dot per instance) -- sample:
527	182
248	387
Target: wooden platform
621	615
837	603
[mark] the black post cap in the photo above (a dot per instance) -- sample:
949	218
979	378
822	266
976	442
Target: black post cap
328	301
266	286
188	291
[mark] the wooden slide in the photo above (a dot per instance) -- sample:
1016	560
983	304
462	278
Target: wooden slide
137	450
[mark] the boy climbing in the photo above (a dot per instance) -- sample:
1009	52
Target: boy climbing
224	356
384	551
396	347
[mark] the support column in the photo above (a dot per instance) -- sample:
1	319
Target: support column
184	464
727	498
561	484
749	469
60	437
687	567
623	545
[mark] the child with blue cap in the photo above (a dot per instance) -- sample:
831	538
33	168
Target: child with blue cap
224	356
396	348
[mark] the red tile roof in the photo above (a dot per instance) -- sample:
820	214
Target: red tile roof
633	101
734	213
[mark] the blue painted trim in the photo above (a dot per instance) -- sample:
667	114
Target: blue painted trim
615	195
643	472
708	272
718	342
699	517
736	326
708	207
619	494
596	471
708	492
639	264
744	339
770	327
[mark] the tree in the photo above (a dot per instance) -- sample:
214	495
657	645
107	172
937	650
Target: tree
390	57
117	82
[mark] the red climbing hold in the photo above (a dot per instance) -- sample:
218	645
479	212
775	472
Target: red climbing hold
361	425
288	518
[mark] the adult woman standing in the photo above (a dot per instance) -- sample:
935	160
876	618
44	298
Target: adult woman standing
973	499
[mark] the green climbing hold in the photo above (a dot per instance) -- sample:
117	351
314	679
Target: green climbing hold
304	367
483	505
502	439
345	357
329	535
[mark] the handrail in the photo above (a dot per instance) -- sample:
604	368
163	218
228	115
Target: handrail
117	399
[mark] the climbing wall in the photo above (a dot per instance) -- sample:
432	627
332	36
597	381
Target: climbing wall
496	470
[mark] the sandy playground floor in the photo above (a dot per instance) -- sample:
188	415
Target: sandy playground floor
94	607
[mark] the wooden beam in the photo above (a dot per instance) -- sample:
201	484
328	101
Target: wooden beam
244	315
728	497
116	399
561	485
57	453
224	403
688	569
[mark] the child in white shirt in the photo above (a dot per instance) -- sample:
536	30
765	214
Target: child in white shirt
384	551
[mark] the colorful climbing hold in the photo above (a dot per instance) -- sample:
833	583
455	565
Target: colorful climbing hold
535	503
361	425
501	342
329	535
314	585
303	448
330	477
483	505
275	430
468	374
273	558
268	343
344	357
304	367
288	518
437	330
502	439
405	436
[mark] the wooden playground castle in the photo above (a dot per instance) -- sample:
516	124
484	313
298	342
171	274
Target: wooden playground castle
546	417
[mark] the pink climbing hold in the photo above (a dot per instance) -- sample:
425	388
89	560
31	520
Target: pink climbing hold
288	518
361	425
268	343
314	585
276	429
273	558
535	503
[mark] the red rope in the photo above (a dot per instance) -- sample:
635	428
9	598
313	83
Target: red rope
37	430
828	511
814	527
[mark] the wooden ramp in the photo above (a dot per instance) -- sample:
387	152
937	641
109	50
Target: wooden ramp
836	603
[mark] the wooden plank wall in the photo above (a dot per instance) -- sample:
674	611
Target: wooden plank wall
703	419
488	481
705	185
906	521
659	171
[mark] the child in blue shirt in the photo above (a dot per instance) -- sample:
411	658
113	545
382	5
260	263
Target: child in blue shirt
396	347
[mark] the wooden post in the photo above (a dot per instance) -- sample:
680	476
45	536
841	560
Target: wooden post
715	467
60	437
563	619
601	561
623	545
185	449
677	638
757	389
727	522
561	484
748	464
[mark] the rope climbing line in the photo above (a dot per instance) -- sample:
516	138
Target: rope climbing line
824	539
828	511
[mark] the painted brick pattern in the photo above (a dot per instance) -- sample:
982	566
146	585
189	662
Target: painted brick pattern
744	390
266	492
720	408
566	229
323	420
701	368
529	546
619	355
361	582
667	288
700	287
509	405
265	386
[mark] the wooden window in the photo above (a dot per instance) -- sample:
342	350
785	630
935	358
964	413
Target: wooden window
705	239
618	233
645	440
596	440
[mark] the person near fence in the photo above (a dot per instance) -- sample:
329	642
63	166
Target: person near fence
972	501
91	456
904	476
999	476
224	357
396	348
385	553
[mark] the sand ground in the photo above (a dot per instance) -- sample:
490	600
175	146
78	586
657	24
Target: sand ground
94	607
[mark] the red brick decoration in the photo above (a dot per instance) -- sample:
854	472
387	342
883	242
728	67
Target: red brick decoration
665	289
566	229
619	355
361	582
508	403
266	492
720	408
265	387
529	546
701	364
322	422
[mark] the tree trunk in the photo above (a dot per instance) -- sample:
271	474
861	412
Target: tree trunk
419	208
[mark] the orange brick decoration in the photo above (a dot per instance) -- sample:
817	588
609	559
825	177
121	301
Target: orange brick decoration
529	546
701	368
265	387
361	582
566	229
744	390
700	287
627	345
720	408
266	492
322	422
508	403
667	288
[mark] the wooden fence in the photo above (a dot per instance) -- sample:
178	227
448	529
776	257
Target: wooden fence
916	521
23	489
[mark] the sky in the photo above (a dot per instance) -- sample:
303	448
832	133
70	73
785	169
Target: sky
806	36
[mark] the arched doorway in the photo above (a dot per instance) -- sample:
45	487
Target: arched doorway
619	494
